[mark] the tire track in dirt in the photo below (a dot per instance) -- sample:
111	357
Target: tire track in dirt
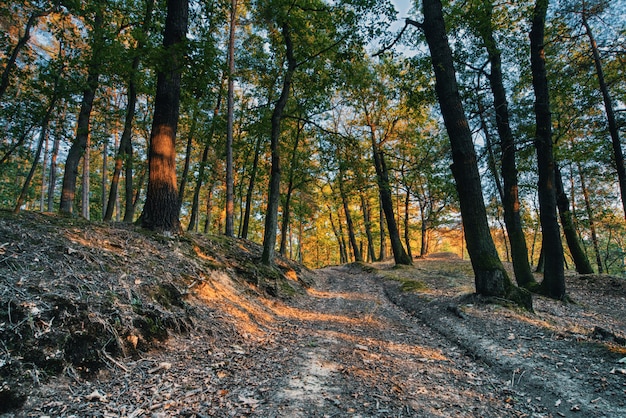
362	356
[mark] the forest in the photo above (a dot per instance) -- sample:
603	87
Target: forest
329	132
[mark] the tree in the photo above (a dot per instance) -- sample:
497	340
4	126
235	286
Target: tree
162	206
510	197
230	205
125	152
583	266
553	284
618	155
491	279
271	216
81	139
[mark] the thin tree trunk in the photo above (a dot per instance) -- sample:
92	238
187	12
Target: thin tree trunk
85	195
618	154
250	192
583	266
53	167
44	165
290	187
382	254
271	217
509	193
553	284
79	145
592	223
343	258
425	238
193	221
105	161
125	150
384	189
188	150
160	212
407	233
491	279
349	223
43	136
367	221
209	210
230	186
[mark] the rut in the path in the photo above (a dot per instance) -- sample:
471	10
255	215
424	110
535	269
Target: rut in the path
357	354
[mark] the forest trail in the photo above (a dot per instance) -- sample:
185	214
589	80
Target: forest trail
361	341
345	350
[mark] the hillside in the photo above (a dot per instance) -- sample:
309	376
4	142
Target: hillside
111	320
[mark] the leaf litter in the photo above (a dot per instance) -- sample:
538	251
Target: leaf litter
108	320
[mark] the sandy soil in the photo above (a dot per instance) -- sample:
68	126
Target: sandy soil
357	343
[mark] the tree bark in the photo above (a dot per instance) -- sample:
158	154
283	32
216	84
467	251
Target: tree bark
553	284
407	232
290	188
491	279
367	221
382	254
384	189
356	252
43	136
592	223
510	197
161	209
251	183
125	151
271	217
618	154
188	150
583	266
79	144
230	204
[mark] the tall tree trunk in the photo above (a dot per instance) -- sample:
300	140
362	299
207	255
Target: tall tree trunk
124	154
356	252
407	232
230	186
592	223
553	284
384	189
160	212
52	180
193	221
583	266
188	150
105	162
491	279
510	196
284	227
618	154
425	236
43	137
125	150
85	192
271	216
209	210
382	254
367	221
44	165
290	187
343	255
79	144
250	192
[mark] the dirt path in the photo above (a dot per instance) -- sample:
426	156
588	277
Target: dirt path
345	350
